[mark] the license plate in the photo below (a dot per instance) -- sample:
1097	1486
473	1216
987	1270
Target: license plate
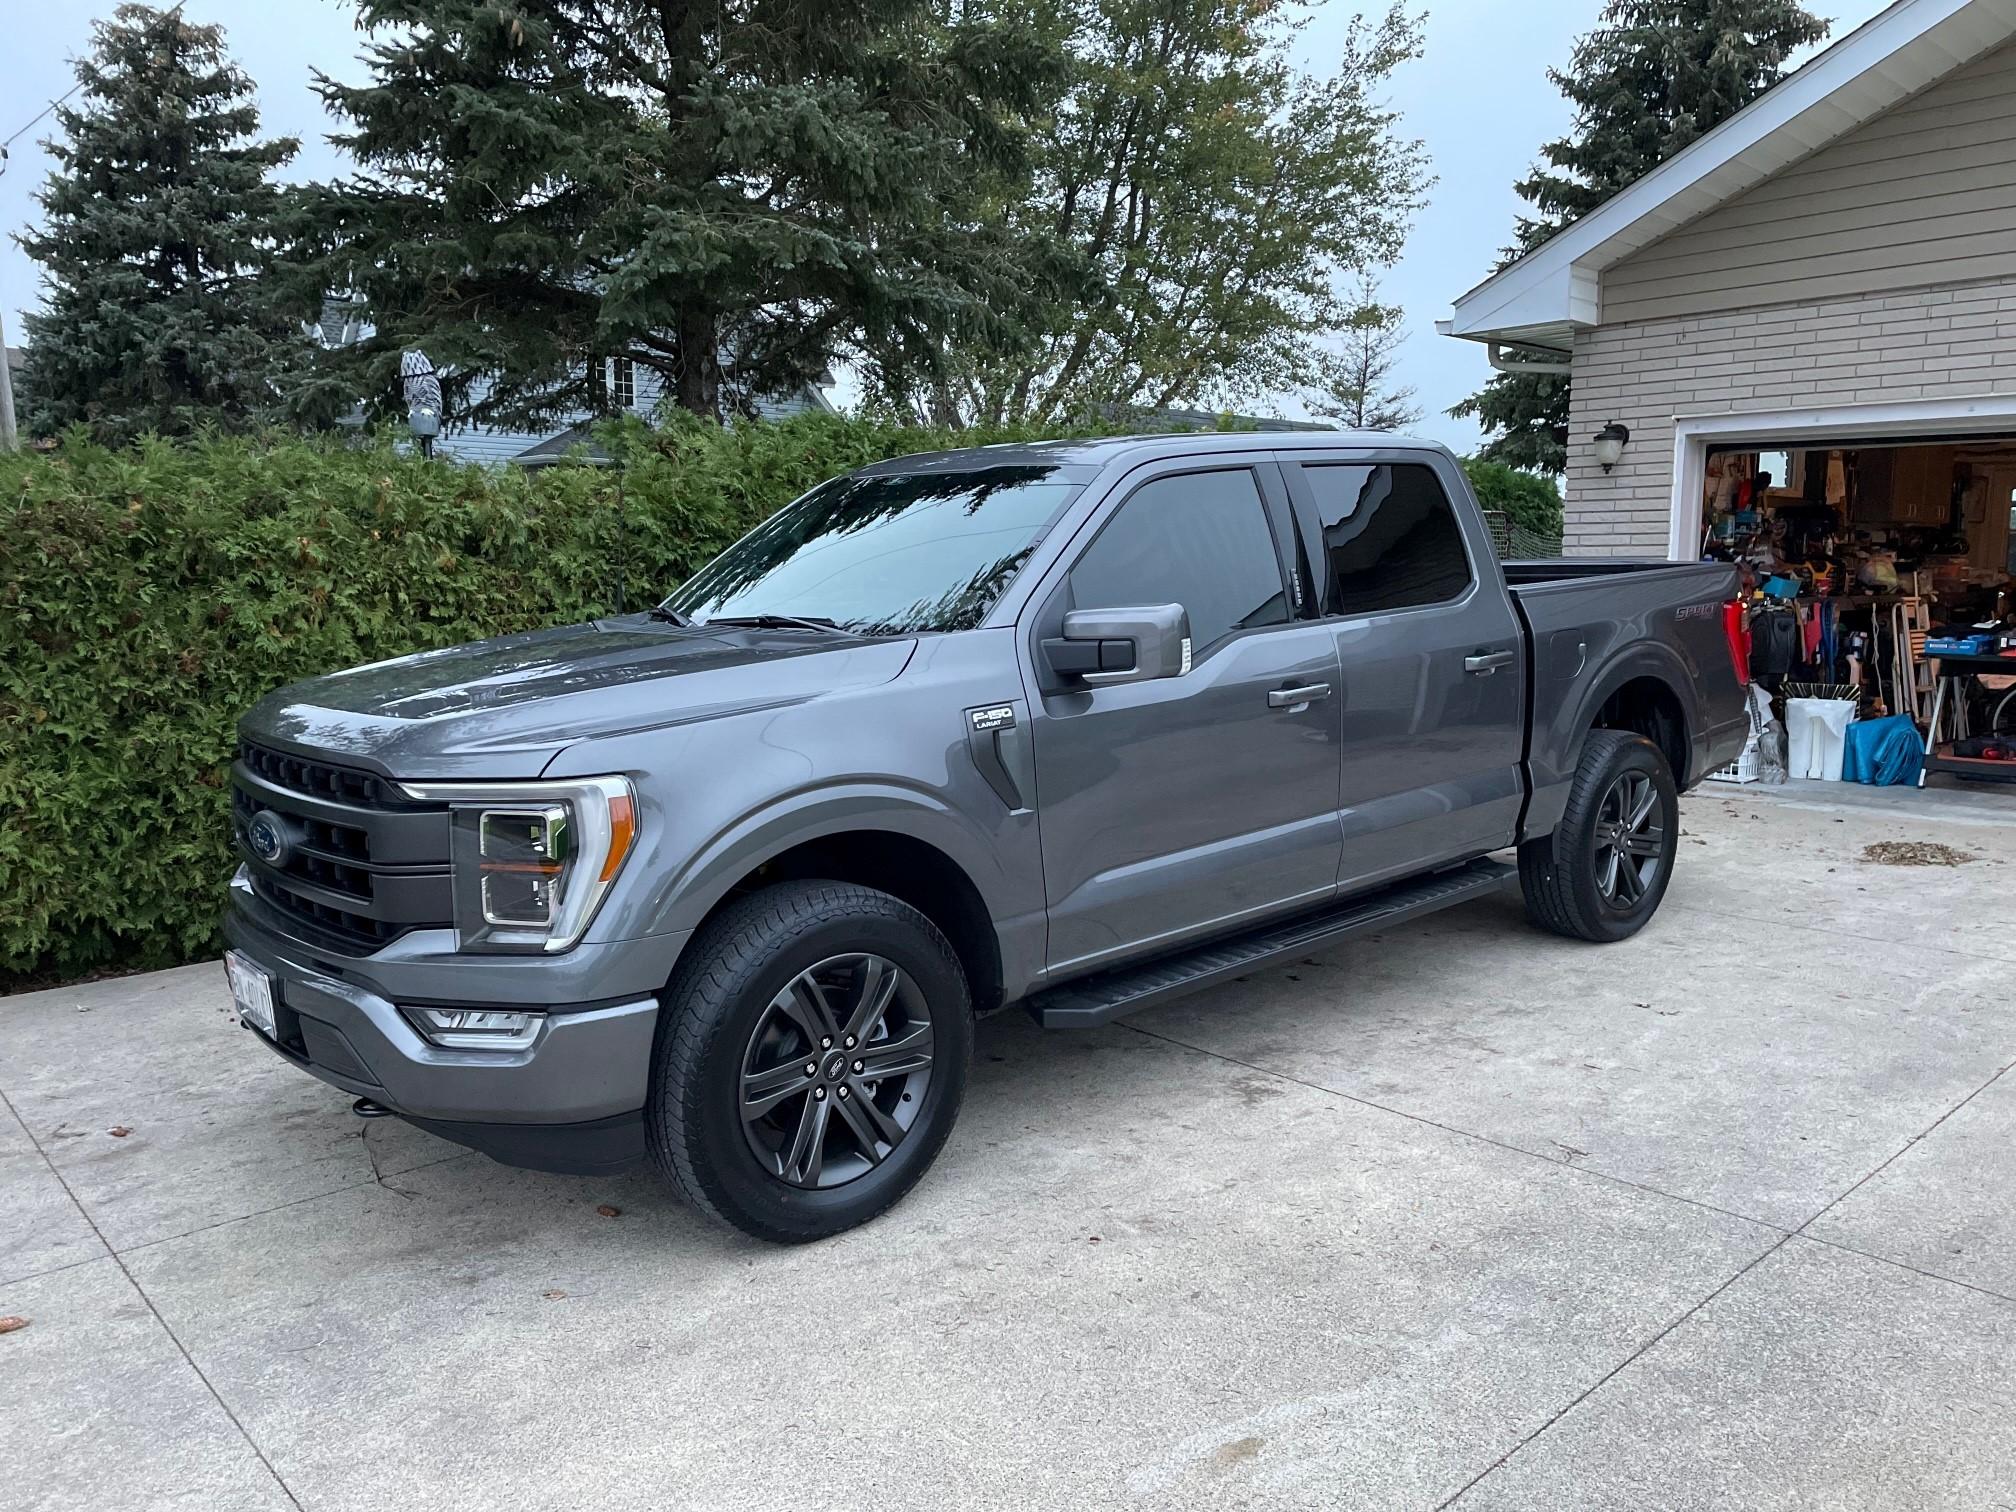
251	990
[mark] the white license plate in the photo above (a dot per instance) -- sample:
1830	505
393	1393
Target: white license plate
251	990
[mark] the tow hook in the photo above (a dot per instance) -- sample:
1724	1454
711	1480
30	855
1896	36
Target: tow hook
365	1108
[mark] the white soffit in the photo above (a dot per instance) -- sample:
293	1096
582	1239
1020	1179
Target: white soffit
1546	295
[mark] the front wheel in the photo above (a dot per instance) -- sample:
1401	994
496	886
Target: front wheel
1602	873
810	1060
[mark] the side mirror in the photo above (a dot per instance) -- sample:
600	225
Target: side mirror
1122	645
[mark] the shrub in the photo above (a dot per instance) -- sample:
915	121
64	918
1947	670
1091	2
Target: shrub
1529	500
149	595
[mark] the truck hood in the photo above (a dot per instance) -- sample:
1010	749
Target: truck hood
504	708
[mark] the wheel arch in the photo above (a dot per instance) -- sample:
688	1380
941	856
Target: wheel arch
1644	690
891	843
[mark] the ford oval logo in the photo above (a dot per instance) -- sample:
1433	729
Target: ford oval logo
268	837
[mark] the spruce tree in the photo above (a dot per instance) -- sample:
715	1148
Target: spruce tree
729	195
1653	77
161	217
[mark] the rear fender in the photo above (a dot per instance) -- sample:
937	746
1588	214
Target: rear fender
1558	748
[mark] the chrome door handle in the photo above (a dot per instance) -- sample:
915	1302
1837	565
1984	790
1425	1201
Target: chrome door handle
1484	663
1288	698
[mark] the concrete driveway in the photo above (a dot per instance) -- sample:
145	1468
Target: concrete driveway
1720	1218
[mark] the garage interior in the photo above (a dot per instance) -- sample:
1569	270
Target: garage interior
1878	578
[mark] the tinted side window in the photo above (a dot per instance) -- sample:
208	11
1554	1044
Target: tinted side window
1391	536
1200	540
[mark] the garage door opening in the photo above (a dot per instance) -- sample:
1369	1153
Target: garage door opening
1880	574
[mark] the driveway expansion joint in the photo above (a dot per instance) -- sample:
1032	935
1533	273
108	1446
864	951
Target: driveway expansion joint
141	1292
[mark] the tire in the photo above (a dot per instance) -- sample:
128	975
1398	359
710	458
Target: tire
1570	885
759	985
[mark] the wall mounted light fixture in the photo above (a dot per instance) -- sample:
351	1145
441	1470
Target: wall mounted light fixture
1610	444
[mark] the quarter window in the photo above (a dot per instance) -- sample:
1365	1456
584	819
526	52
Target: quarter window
1390	535
1198	539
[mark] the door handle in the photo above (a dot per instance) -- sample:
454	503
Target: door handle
1484	663
1288	698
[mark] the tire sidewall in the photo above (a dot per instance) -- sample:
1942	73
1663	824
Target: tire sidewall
1604	919
714	1084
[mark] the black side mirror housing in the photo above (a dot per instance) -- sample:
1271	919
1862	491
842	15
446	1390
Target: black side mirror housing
1121	645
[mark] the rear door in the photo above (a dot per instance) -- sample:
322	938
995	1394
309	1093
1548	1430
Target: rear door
1185	806
1432	691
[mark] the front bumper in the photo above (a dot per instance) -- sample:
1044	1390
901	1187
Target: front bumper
571	1101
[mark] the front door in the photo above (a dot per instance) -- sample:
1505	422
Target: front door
1188	805
1432	696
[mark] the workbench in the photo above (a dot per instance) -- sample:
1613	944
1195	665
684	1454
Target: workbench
1938	749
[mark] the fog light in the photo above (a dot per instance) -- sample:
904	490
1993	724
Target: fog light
476	1028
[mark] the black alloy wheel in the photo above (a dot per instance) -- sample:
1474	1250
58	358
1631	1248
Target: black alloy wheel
1629	844
1601	874
810	1059
836	1070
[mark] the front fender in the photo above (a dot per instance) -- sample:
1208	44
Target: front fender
684	897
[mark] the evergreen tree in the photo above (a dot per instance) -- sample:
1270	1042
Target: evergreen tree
1195	203
728	195
157	313
1359	392
1654	76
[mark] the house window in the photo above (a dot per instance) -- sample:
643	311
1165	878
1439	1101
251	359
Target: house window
598	386
622	383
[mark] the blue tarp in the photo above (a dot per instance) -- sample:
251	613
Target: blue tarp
1884	752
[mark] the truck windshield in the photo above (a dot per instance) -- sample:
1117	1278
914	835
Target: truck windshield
884	555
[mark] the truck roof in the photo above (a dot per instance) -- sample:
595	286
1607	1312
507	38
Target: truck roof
1102	451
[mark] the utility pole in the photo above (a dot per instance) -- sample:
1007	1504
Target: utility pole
8	440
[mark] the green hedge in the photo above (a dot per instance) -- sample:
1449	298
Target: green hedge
1529	500
149	595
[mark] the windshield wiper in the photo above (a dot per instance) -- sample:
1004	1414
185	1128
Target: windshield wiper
669	616
781	622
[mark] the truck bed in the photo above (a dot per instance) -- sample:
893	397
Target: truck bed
1595	625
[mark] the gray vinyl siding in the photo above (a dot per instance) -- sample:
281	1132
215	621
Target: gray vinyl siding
1922	196
1957	342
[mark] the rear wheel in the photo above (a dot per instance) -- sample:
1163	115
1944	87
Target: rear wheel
1603	872
810	1060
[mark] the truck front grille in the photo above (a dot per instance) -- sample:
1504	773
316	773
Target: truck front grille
362	864
321	779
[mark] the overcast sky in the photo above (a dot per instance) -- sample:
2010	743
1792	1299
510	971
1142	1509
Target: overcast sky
1480	99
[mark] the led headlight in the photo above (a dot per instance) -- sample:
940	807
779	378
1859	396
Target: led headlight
532	860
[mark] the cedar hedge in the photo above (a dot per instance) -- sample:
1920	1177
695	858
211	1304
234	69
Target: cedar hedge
149	595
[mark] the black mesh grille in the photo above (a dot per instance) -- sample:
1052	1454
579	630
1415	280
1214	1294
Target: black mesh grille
337	923
321	779
359	864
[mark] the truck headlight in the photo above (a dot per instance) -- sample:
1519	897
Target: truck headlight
532	860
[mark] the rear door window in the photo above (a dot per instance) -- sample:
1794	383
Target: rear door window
1389	536
1197	539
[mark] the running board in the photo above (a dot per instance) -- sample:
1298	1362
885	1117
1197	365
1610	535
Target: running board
1087	1002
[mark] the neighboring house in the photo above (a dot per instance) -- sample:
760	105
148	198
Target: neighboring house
625	386
1834	265
630	389
1170	418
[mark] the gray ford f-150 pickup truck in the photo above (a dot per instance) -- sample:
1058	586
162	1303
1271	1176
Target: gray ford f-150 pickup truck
1080	726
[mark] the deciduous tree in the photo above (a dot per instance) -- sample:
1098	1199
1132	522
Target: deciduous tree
1360	393
1195	206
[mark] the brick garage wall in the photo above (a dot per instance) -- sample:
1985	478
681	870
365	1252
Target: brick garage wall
1950	342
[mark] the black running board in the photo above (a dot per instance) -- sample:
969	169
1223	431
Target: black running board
1087	1002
